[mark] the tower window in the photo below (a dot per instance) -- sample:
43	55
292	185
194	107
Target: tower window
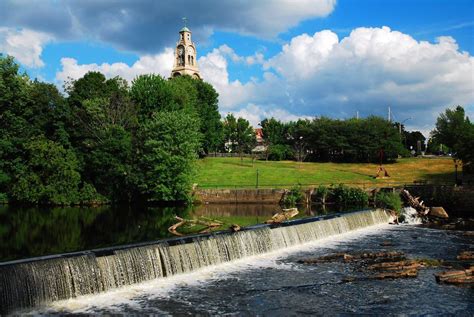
192	60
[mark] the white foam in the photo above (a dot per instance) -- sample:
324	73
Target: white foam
411	216
133	295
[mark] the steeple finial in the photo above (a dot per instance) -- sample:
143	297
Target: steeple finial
185	20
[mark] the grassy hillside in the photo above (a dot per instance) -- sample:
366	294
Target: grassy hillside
230	173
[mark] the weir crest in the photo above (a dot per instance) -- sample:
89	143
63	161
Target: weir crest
31	283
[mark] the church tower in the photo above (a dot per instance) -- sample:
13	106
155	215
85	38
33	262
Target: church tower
185	61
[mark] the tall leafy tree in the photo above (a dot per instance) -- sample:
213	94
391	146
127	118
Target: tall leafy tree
454	129
168	145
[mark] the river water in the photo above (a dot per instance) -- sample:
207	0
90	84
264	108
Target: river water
276	284
31	232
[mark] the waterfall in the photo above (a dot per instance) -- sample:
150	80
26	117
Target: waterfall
38	281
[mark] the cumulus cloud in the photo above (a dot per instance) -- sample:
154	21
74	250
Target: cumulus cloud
320	74
371	69
25	45
213	67
158	64
148	26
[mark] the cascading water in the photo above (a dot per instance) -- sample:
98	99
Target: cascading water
28	284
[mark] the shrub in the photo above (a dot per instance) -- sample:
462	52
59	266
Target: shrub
321	193
350	195
389	200
293	196
278	152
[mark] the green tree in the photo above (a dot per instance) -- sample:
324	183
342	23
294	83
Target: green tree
151	93
208	111
454	129
50	174
168	145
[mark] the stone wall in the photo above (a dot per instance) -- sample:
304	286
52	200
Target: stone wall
264	196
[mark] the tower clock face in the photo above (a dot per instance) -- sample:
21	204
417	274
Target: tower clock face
190	50
180	51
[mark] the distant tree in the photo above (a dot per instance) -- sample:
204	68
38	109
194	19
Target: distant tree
411	139
230	132
454	129
275	139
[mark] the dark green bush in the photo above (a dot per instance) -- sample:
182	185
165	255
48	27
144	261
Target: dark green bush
389	200
278	152
321	193
293	197
345	195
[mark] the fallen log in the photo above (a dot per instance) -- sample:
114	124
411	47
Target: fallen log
286	214
181	221
415	203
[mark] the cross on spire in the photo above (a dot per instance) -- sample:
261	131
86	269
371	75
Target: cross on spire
185	20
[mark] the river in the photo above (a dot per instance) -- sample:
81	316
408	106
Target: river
276	284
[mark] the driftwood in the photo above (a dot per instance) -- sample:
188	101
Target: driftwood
209	224
286	214
415	203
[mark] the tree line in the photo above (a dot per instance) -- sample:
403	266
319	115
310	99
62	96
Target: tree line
106	140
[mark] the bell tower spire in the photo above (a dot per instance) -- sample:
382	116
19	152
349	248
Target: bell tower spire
185	57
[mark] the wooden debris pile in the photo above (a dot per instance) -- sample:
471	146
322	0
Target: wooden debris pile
415	203
394	265
205	225
285	215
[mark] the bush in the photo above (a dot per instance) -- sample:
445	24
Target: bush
293	196
278	152
350	196
321	193
389	200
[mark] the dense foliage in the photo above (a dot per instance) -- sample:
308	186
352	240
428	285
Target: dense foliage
389	200
455	130
324	139
105	141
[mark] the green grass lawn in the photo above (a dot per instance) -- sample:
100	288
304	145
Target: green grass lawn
231	173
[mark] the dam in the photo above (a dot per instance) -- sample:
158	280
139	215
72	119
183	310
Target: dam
37	281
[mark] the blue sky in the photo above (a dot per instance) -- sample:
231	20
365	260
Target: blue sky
287	59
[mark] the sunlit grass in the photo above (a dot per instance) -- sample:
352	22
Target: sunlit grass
230	173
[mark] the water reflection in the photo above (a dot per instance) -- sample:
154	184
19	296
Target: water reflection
30	232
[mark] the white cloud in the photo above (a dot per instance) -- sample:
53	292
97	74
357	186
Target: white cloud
213	67
255	114
158	64
25	45
147	26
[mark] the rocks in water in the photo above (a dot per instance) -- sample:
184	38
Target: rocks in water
397	265
345	257
342	257
396	274
456	276
466	255
438	212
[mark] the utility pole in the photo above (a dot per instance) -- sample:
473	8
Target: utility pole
389	115
357	115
